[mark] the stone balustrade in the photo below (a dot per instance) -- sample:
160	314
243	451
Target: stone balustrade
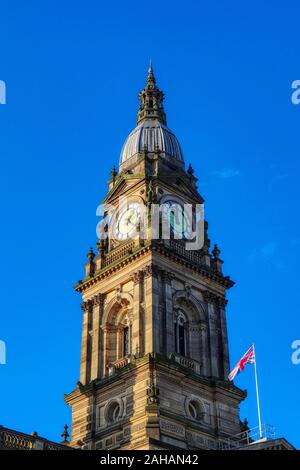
187	362
15	440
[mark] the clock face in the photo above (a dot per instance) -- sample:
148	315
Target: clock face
127	221
178	221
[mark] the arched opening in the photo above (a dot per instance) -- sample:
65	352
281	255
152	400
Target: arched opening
124	337
195	410
126	342
180	326
113	412
191	331
117	333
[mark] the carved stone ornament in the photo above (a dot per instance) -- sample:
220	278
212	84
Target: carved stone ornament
214	299
150	270
87	305
118	294
167	276
99	299
137	277
187	289
152	393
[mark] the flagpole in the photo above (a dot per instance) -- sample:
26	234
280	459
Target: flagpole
257	396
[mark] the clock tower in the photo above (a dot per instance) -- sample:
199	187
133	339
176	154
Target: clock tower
154	350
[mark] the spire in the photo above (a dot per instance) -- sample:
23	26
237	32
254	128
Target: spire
151	100
65	435
150	78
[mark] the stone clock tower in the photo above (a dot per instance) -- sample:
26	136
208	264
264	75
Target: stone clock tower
154	351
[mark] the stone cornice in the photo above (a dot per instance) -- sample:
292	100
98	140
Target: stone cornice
81	286
96	384
157	360
201	269
136	277
207	273
167	276
214	299
98	299
150	270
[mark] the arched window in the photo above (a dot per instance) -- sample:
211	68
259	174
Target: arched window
180	334
126	350
113	411
126	346
194	409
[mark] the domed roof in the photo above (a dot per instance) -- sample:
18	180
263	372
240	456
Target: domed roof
151	134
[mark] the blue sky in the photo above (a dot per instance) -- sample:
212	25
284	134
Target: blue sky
73	71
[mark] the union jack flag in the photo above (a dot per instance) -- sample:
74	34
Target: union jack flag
248	357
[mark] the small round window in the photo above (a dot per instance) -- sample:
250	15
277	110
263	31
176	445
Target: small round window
195	410
113	412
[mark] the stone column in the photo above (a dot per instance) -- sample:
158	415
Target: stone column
96	338
219	348
86	342
109	333
136	338
168	321
212	319
119	339
226	364
101	352
151	310
195	340
205	362
105	333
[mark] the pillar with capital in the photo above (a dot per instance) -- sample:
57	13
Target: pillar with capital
85	358
213	340
137	323
168	321
151	309
97	313
205	360
226	364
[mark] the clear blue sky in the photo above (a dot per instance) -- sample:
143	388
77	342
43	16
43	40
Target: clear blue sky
73	70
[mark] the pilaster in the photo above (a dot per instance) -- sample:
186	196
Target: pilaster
137	325
86	342
96	336
168	321
151	309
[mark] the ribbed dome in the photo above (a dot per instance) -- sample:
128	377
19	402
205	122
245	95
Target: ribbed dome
151	134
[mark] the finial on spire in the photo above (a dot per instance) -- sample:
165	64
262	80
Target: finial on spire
216	252
65	435
190	170
151	100
113	174
91	255
150	78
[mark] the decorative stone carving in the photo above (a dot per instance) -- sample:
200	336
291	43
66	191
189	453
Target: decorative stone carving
187	288
87	305
90	303
136	277
209	297
214	299
195	329
150	270
167	276
222	302
118	294
169	427
152	393
99	300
